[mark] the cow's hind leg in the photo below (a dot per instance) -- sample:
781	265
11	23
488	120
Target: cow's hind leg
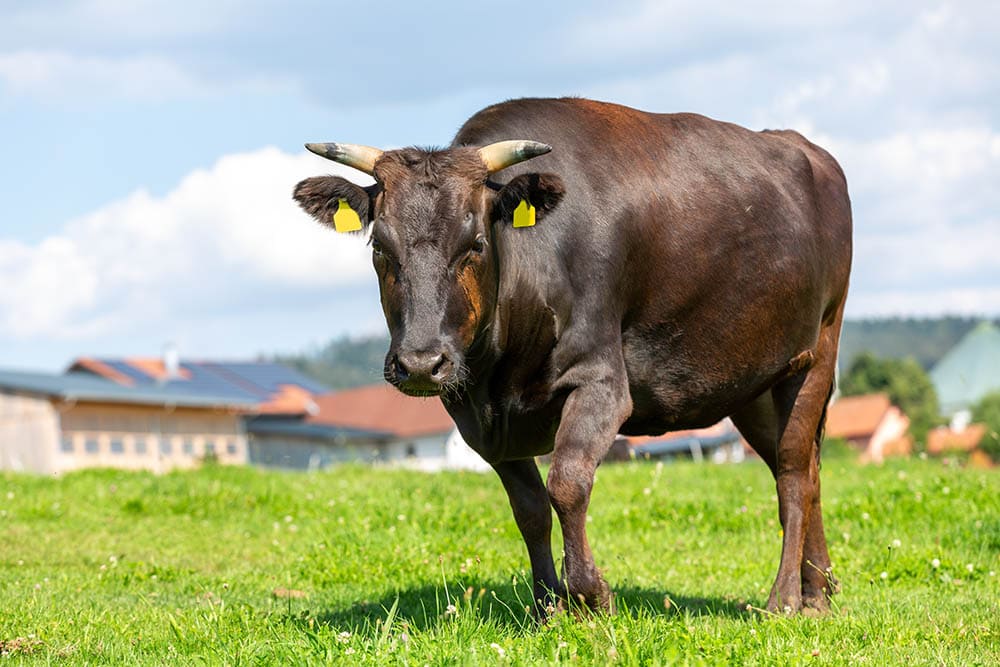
530	502
758	423
784	426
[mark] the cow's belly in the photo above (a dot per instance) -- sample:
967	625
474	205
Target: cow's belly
678	383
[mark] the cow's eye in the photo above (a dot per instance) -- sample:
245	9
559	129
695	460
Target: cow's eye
479	245
376	247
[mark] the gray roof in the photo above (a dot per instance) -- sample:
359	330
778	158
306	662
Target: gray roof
87	387
247	380
269	425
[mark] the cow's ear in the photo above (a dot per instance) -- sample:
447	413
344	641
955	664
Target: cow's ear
543	191
320	197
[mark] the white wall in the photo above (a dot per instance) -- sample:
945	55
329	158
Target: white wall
29	433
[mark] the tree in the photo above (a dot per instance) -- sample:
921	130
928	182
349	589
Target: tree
987	411
904	380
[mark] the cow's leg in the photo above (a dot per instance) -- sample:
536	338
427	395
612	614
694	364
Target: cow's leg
530	502
800	405
591	418
758	422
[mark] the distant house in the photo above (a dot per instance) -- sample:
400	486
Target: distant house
969	371
944	441
418	432
871	424
55	423
720	442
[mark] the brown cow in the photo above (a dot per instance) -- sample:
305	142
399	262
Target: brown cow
681	270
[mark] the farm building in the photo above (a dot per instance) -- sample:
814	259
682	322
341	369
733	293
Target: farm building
54	423
969	371
417	432
720	443
298	423
871	424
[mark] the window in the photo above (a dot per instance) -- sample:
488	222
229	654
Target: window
231	447
209	449
117	446
66	446
411	450
140	445
166	448
90	446
188	447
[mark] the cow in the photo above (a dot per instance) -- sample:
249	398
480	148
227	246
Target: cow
568	270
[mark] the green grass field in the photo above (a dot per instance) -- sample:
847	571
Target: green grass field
363	566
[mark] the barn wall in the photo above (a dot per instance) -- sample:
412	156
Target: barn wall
29	431
148	437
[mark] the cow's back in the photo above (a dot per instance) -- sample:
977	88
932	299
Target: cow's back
717	252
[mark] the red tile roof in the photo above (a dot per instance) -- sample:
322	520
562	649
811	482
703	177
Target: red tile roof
856	416
381	407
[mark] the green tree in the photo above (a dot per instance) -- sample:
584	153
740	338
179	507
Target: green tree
987	411
905	381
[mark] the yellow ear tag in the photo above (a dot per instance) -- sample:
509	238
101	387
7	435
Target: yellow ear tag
345	219
524	214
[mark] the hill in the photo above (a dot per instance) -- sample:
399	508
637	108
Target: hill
924	339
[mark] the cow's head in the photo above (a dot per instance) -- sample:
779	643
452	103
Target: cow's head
433	214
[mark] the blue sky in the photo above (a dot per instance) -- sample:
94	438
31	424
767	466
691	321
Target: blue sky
150	147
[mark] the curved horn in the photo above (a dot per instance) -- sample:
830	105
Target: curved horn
506	153
362	158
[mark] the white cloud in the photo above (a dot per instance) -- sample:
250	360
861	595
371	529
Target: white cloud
223	238
66	77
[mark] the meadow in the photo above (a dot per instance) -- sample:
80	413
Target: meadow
375	566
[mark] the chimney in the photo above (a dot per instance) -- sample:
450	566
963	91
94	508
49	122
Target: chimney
171	362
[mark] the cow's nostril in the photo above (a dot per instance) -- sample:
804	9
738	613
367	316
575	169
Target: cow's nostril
442	367
402	372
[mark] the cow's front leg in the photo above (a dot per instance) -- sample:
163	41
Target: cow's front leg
530	502
591	418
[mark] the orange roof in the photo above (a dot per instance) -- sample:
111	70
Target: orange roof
856	416
290	399
943	439
382	407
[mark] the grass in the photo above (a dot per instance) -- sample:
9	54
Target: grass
365	566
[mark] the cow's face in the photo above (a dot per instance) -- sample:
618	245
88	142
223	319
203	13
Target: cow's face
432	216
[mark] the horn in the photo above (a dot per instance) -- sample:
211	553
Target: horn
503	154
362	158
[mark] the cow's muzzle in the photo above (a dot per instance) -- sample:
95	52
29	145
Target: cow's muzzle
421	373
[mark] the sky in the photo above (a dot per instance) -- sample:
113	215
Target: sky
149	148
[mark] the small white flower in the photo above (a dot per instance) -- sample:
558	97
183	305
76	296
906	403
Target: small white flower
450	610
970	567
865	516
344	637
498	649
935	563
884	575
348	650
945	490
896	544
